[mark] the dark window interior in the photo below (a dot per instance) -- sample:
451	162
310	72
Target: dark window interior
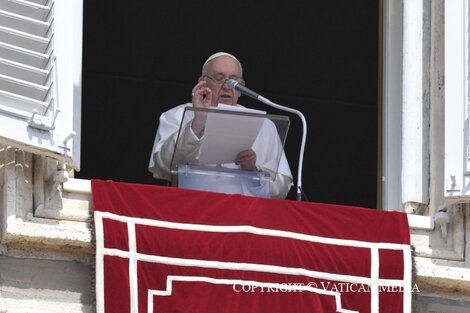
321	57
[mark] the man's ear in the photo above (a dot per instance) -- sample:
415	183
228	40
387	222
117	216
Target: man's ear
200	78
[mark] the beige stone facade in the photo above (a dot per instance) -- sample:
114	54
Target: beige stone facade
46	255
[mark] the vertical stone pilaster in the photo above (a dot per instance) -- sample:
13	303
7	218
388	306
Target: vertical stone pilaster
16	184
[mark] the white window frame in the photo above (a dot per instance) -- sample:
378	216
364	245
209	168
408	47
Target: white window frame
457	180
454	160
392	99
57	134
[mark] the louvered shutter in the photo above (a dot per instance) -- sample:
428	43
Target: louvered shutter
457	86
40	76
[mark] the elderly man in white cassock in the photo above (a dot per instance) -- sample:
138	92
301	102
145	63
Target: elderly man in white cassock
210	90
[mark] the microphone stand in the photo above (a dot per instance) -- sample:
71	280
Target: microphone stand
233	84
302	144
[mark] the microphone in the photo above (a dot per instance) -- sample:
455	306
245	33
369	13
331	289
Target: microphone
233	84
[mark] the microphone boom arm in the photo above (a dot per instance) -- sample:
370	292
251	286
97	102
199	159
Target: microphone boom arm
302	144
233	84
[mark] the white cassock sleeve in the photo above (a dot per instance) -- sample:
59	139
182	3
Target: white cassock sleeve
266	146
165	142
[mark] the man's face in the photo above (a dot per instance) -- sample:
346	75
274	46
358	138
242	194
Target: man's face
221	69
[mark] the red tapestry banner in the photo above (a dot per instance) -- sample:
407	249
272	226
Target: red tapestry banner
167	250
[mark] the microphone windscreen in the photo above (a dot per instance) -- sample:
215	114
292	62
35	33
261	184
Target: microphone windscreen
231	83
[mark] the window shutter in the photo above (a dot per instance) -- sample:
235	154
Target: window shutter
456	99
40	76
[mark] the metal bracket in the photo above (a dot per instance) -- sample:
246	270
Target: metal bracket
60	177
66	139
39	123
453	184
442	219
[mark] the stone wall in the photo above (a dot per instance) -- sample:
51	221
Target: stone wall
31	284
46	250
46	255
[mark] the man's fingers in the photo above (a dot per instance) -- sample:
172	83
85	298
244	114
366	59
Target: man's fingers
246	159
201	97
246	154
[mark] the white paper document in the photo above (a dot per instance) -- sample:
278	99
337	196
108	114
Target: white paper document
226	134
228	107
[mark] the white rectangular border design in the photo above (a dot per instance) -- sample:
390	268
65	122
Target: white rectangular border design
374	282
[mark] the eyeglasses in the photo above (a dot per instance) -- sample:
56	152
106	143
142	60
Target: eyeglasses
221	79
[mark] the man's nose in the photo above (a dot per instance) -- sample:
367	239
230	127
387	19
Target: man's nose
225	84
